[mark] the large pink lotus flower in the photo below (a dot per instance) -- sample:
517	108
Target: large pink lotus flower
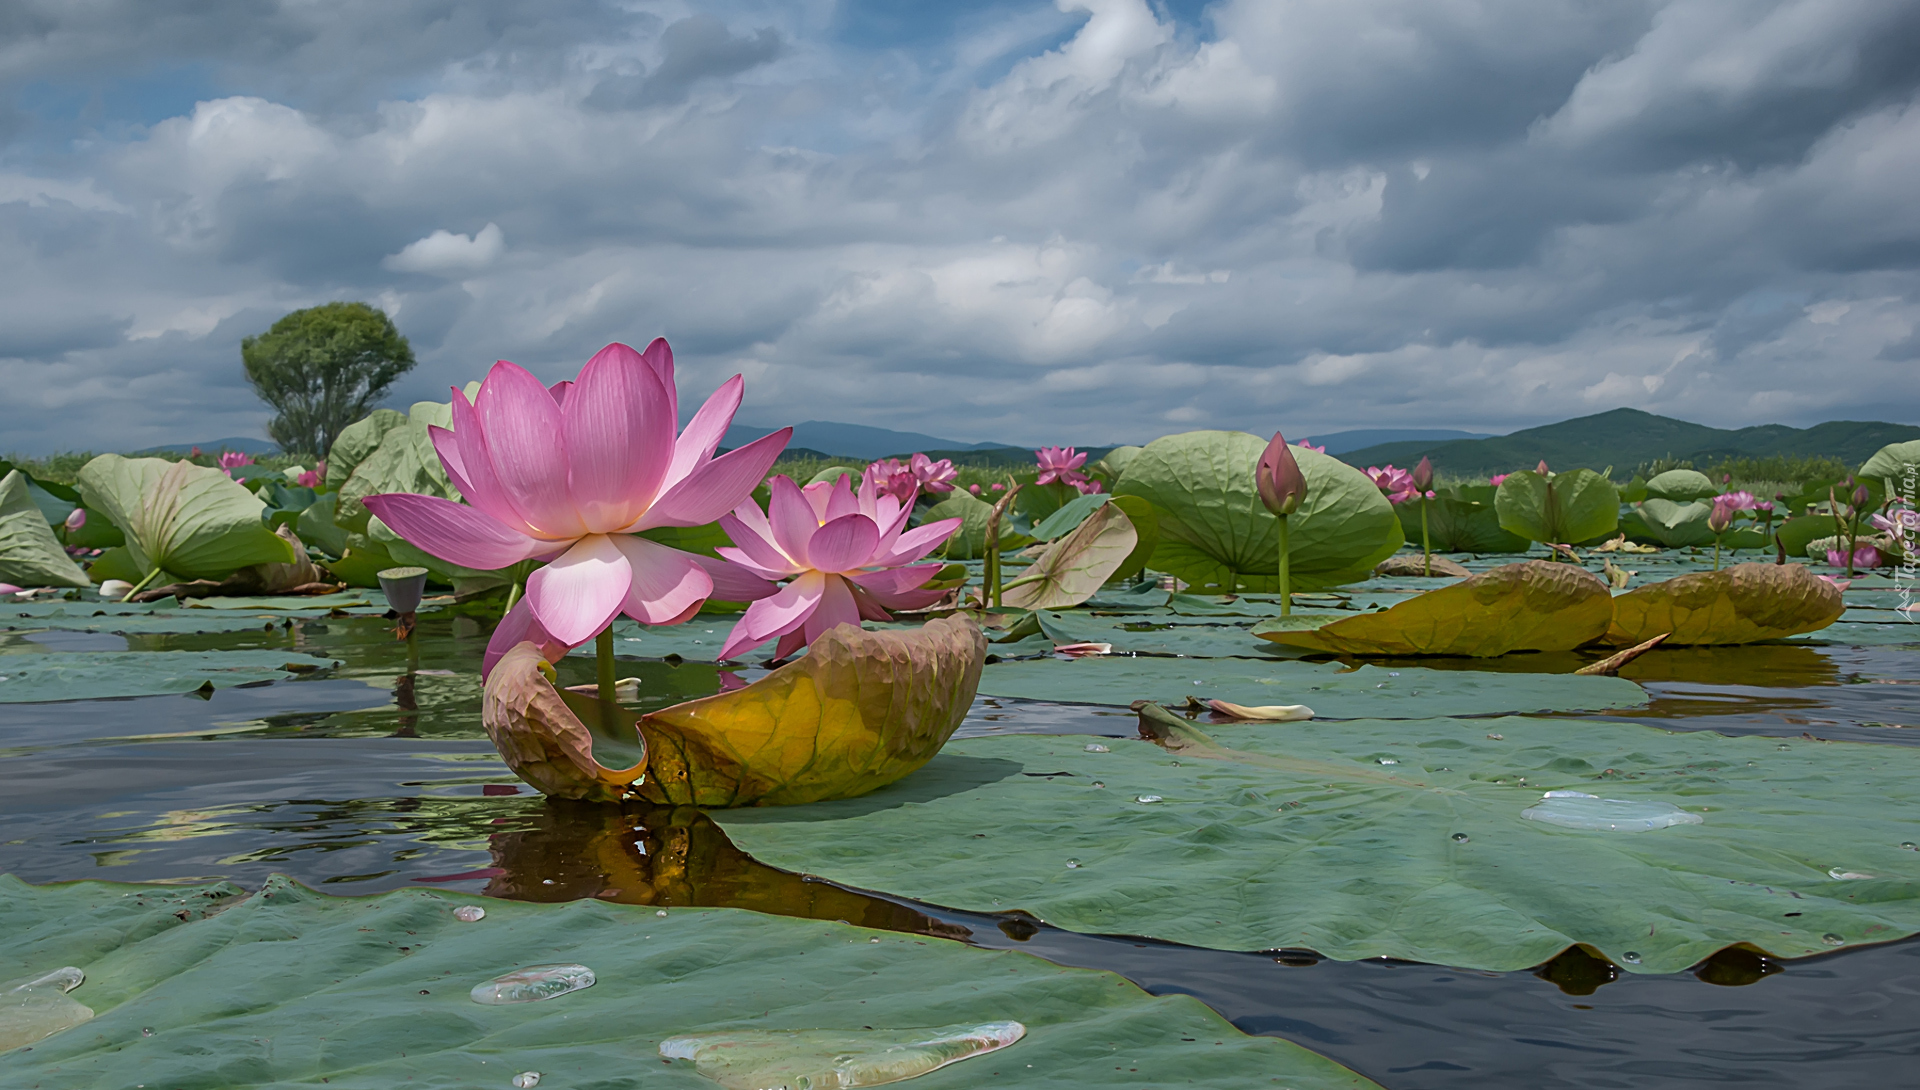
570	474
851	557
935	478
1396	483
1060	464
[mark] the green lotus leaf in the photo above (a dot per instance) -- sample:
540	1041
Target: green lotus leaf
1067	516
834	473
1677	525
1681	486
1460	526
1796	534
189	521
1392	839
1115	463
358	440
1146	527
316	527
1893	463
405	461
859	710
1562	508
94	675
970	541
1740	604
1332	690
1214	531
1141	636
141	619
364	992
1075	567
1530	606
30	556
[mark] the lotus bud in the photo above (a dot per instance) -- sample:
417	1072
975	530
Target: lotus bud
1541	468
1278	478
1721	517
76	519
403	588
115	589
1423	476
1860	496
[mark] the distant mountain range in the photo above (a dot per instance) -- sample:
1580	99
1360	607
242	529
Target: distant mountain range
1340	442
1624	438
215	446
854	440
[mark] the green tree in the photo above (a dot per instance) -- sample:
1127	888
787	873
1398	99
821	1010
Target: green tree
324	368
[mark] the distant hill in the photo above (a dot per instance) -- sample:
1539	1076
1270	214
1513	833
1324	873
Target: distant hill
1624	438
856	440
214	446
1340	442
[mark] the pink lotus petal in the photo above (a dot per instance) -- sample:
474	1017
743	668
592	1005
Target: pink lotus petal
667	586
755	549
868	605
517	627
454	533
473	464
448	448
789	644
735	582
703	433
918	542
836	608
619	439
659	357
843	544
895	580
791	517
717	487
778	615
740	559
523	429
840	500
579	593
559	391
817	494
1082	650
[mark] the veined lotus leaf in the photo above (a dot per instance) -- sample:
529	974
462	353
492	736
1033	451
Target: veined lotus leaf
1893	463
1392	839
212	972
1146	526
858	711
1131	635
405	461
546	743
834	473
1459	526
1075	567
1531	606
970	541
1067	516
1214	531
1332	690
317	528
1115	463
97	675
30	556
1681	486
358	440
1675	524
1740	604
1564	508
187	520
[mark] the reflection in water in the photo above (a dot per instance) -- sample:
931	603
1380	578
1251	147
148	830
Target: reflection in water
1578	970
671	857
1736	966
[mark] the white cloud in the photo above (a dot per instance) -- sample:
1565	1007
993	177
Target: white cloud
447	254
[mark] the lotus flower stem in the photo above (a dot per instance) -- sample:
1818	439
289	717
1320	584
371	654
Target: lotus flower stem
603	673
1716	552
141	585
1286	571
992	572
1426	549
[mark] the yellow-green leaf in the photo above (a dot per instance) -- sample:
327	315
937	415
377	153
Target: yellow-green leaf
544	741
1531	606
188	520
857	712
1075	567
1740	604
30	556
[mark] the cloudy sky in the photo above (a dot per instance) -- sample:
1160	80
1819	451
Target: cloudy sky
1084	221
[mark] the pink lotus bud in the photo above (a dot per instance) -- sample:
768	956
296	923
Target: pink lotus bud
1423	476
1721	516
1860	496
1496	479
1541	468
974	488
76	518
1278	478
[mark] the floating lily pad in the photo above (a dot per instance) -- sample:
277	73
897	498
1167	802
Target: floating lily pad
697	640
1132	635
1530	606
1332	690
79	617
373	992
92	675
1393	839
1741	604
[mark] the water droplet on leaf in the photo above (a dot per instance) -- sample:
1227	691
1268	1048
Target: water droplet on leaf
1460	838
1630	957
1073	864
533	984
1832	939
1095	747
1387	761
1148	798
526	1079
469	913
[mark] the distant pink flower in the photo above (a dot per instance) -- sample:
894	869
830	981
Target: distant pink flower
1843	584
892	477
309	478
1541	468
1311	447
1496	479
1060	464
998	487
1864	557
1396	483
974	488
76	519
849	558
570	475
1087	486
936	478
1738	501
231	460
194	453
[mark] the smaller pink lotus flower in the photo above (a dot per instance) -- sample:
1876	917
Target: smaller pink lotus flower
309	479
1738	501
1864	557
892	477
1311	447
1423	476
1087	486
1396	483
76	519
1898	522
850	558
194	453
998	487
974	488
234	459
935	478
1060	464
1496	479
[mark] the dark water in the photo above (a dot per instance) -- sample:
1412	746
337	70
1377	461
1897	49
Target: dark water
365	781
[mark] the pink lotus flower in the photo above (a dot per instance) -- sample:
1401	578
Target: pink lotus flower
1396	483
231	460
998	487
936	478
1864	557
1899	522
849	558
1496	479
76	519
570	474
1087	486
1311	447
892	477
974	488
312	478
1060	464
